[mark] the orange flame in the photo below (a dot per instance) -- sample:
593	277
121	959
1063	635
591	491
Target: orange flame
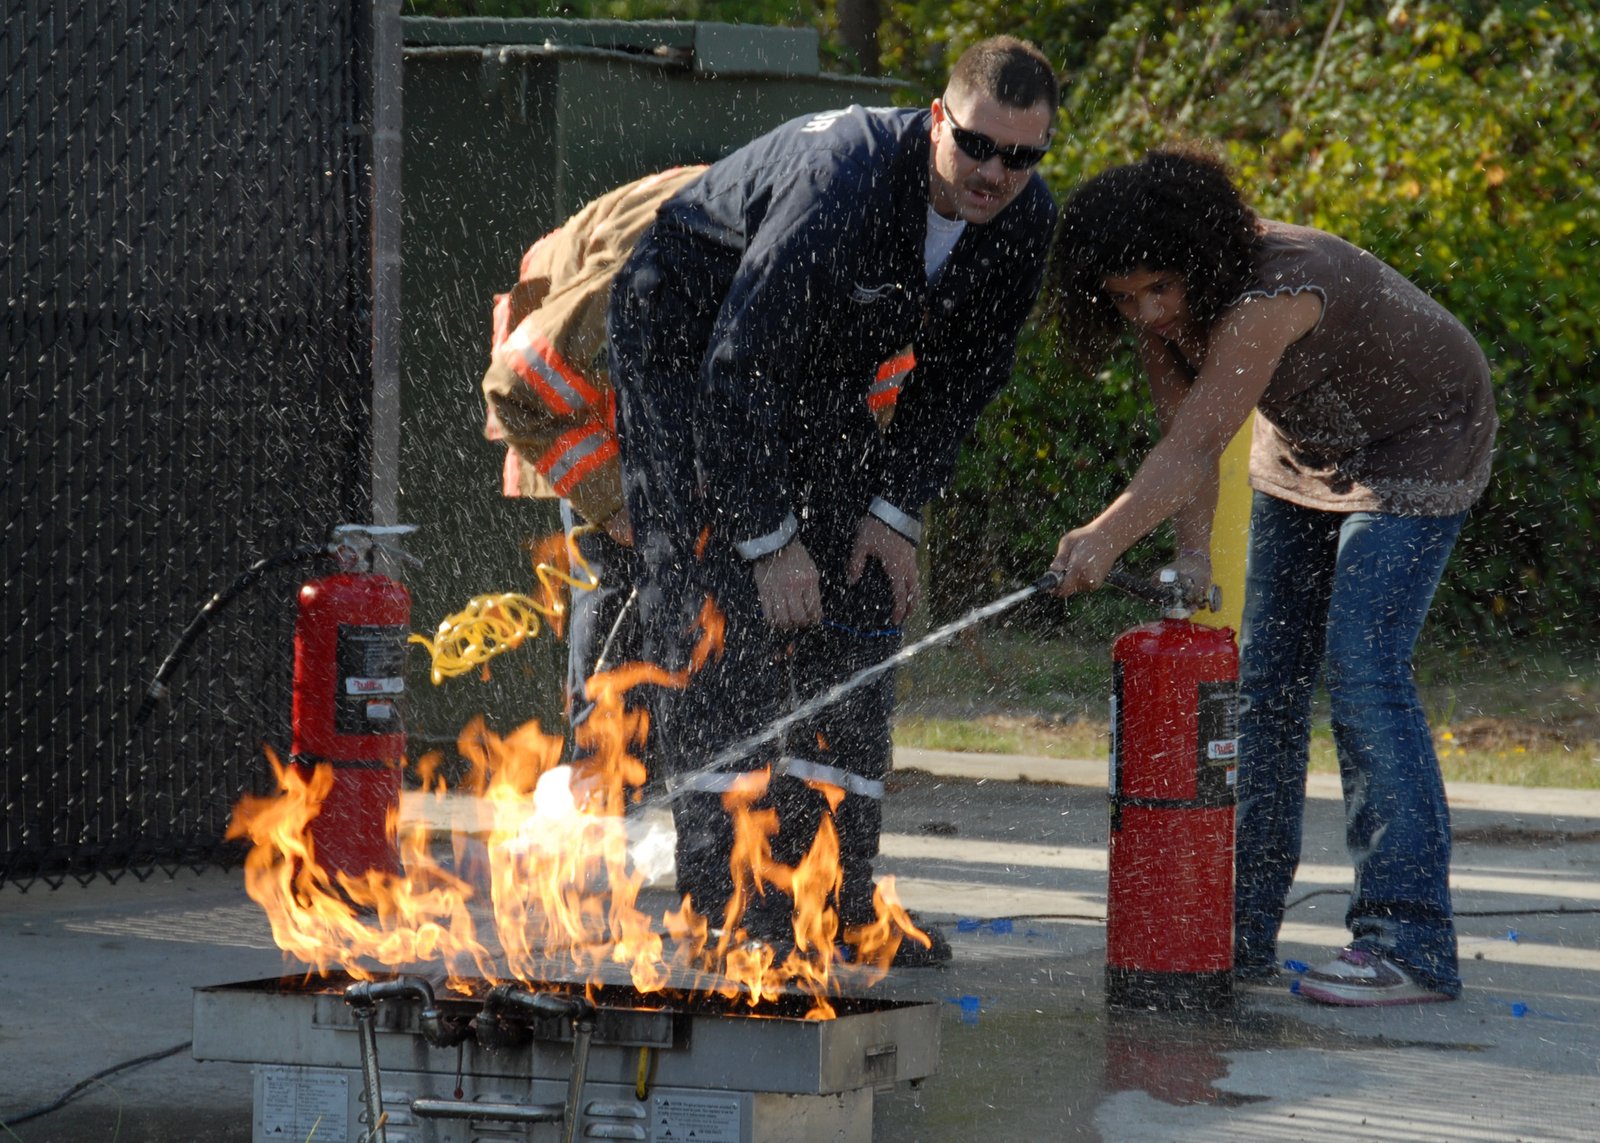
550	845
342	921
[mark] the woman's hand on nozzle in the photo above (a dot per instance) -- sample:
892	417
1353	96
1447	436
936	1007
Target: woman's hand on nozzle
1082	560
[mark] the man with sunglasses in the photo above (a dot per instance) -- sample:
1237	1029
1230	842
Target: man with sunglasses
742	330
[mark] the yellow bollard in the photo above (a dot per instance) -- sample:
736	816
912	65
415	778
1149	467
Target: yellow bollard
1230	531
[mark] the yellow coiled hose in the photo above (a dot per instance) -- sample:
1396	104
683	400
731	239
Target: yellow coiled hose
491	625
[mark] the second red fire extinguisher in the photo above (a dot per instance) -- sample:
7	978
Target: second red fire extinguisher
1169	901
349	680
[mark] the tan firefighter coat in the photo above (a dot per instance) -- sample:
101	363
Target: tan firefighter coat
548	393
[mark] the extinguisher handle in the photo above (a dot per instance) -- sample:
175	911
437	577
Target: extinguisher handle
1138	587
400	554
1167	594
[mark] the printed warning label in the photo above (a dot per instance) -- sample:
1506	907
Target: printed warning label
679	1118
371	660
302	1103
1222	750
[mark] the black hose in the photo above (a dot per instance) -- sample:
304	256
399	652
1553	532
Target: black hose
1140	588
247	579
67	1096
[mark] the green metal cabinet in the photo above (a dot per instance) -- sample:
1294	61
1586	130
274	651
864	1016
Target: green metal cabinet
509	126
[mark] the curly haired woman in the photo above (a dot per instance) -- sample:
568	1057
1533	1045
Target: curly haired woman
1374	432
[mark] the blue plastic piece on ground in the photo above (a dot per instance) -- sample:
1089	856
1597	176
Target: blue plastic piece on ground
970	1007
1296	966
968	925
1002	925
1294	986
1519	1010
1512	935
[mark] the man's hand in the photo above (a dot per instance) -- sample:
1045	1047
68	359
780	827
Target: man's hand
877	541
1083	558
788	587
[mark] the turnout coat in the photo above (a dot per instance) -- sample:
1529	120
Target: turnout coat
547	388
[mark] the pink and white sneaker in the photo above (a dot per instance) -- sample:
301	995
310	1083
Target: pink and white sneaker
1360	978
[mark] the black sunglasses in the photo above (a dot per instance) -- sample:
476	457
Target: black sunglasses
980	148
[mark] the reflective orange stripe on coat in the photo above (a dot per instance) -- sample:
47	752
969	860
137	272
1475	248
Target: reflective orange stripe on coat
892	374
576	453
535	360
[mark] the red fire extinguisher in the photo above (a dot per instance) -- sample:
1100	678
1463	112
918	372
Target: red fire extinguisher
349	680
1174	745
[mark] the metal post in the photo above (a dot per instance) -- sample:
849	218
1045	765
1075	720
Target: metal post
387	71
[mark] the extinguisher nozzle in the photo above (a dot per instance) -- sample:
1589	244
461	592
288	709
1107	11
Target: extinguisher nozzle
1048	582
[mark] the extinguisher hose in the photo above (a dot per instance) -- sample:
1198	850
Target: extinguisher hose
741	749
158	688
491	625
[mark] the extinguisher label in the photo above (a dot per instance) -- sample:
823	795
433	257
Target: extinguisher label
359	685
1218	710
371	661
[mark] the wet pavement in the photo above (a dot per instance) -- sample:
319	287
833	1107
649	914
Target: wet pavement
1009	855
1517	1058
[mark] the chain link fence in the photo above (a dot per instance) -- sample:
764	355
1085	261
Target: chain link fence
188	347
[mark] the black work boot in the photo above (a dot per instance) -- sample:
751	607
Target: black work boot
856	908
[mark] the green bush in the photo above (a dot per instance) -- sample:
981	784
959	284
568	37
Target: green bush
1456	141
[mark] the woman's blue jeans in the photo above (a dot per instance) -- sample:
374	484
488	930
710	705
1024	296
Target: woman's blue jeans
1343	595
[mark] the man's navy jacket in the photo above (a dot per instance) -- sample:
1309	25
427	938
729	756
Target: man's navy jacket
812	236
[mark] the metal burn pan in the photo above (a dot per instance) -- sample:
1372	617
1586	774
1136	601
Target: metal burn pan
655	1064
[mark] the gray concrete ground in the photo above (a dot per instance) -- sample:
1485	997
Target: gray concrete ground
98	975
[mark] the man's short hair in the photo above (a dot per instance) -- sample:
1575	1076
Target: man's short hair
1008	69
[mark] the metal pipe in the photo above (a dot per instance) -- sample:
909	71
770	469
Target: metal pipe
363	998
547	1005
438	1029
371	1083
368	993
582	1034
382	181
503	1112
675	59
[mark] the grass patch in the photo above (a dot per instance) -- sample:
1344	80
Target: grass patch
1004	734
1509	715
